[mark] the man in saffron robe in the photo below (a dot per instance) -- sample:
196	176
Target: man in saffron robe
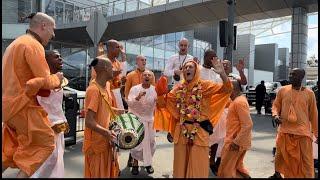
27	137
195	106
114	48
135	77
216	140
295	109
238	136
101	159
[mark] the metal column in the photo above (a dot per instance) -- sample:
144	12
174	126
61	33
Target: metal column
229	49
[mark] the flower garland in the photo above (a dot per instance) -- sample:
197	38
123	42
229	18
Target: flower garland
189	108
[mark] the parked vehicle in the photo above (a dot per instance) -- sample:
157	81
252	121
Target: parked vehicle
271	90
251	95
80	98
272	86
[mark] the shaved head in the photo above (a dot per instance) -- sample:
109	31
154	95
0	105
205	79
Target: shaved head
208	56
113	49
184	40
147	76
183	46
236	89
141	62
39	18
51	52
148	72
111	43
301	72
42	25
296	76
99	64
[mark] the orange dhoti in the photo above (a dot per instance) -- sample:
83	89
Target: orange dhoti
100	164
232	162
294	158
27	139
191	161
101	160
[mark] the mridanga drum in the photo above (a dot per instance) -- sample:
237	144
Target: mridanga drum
129	130
127	127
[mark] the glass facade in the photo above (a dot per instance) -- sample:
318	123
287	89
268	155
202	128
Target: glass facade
159	48
66	11
14	11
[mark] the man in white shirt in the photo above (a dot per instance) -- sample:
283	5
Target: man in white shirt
175	62
53	167
173	68
142	102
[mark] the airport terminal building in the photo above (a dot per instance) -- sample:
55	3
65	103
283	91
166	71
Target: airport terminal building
154	27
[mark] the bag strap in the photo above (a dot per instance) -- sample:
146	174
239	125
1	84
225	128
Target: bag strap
181	65
103	94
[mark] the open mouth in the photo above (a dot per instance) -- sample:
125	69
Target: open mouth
188	74
147	80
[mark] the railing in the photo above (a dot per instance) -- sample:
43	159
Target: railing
108	9
80	115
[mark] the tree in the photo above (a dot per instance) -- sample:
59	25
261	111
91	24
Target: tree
312	61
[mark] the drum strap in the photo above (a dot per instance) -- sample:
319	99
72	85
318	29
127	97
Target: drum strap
103	94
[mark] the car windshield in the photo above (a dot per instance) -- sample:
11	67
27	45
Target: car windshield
271	85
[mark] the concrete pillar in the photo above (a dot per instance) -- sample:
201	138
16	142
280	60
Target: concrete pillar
299	38
282	68
210	33
246	51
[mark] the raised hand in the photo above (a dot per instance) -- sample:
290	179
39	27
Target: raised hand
227	66
140	95
240	65
218	67
60	76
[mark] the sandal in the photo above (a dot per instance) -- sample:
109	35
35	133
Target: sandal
149	169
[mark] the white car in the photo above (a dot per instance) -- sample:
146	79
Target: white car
272	86
80	94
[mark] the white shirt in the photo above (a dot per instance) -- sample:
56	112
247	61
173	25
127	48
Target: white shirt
209	74
144	108
174	63
53	106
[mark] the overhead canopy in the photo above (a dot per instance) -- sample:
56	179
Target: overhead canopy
178	16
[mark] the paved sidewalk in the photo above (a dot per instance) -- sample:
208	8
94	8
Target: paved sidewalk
258	159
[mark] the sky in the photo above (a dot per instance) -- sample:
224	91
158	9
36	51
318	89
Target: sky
284	40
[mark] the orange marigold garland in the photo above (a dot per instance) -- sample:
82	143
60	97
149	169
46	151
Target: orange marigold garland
189	109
